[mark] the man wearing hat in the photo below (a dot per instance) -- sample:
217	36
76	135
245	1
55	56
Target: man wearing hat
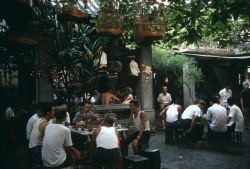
189	118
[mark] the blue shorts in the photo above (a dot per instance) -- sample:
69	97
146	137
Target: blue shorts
68	161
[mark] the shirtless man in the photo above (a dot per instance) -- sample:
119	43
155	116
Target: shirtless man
107	96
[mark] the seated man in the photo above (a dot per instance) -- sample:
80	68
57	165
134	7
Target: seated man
173	115
33	120
37	134
107	97
189	119
235	120
80	116
57	147
128	96
105	145
217	116
142	134
67	120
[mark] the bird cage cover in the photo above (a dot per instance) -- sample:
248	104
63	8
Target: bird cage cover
109	22
149	20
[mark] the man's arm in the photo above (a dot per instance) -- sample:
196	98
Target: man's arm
93	143
159	99
179	109
115	97
42	126
163	112
192	124
72	150
83	116
129	120
18	114
241	103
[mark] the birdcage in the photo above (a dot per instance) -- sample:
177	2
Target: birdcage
149	20
72	11
109	22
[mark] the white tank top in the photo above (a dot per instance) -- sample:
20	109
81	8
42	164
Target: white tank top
172	114
36	138
137	123
107	138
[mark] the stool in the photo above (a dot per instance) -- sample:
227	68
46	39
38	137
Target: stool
170	138
236	136
136	161
154	156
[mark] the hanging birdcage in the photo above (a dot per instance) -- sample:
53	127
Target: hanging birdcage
109	21
21	34
149	20
72	11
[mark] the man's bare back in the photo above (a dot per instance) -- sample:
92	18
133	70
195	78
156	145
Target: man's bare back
106	98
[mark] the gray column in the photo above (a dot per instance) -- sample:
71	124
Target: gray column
43	87
188	89
144	88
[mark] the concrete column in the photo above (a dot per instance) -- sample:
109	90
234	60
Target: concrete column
144	88
43	87
188	89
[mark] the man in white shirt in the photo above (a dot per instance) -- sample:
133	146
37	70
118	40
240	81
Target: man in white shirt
189	119
164	99
235	120
33	120
226	93
80	116
67	120
217	117
57	147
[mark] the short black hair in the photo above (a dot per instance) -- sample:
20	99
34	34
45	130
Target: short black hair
227	84
46	107
84	103
136	102
39	105
177	101
231	101
60	112
108	119
214	99
60	102
202	102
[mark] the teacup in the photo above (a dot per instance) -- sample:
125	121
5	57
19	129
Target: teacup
119	126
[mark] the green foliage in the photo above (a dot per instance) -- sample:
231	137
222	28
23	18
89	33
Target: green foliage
171	66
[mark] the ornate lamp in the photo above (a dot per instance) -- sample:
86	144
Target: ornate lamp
72	11
109	21
149	20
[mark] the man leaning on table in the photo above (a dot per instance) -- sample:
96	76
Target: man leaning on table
105	145
57	150
80	116
142	134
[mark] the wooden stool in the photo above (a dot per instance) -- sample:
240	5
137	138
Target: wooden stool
136	161
236	136
170	138
154	156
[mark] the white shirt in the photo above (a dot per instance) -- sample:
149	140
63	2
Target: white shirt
237	117
190	112
36	138
55	138
138	123
31	124
164	99
172	114
218	116
107	138
9	113
225	94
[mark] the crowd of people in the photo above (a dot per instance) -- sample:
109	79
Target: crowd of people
223	115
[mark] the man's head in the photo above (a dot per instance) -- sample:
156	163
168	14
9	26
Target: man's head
48	110
177	101
60	113
214	99
231	101
246	84
227	86
108	120
128	90
134	105
201	104
164	89
86	106
218	96
38	109
62	102
109	89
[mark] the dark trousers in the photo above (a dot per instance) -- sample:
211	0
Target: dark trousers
197	131
170	127
216	138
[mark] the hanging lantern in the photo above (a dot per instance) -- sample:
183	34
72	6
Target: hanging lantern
149	20
109	21
72	11
21	34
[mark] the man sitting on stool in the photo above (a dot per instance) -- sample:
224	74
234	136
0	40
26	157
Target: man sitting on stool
217	116
142	134
105	146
